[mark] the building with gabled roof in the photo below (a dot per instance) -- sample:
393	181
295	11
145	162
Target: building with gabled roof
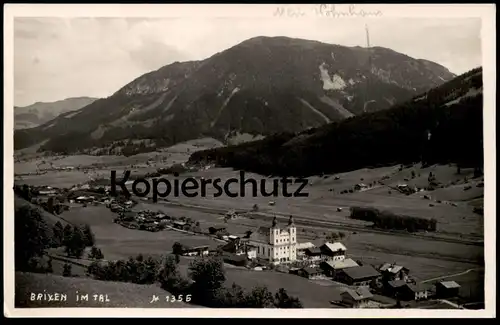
359	276
333	251
392	272
356	298
447	289
331	267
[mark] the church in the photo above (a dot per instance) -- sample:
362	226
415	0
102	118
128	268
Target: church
275	244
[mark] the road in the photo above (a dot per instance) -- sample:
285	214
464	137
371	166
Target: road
452	275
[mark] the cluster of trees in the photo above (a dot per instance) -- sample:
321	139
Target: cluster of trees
33	236
139	270
205	283
31	239
424	130
74	238
207	288
388	220
335	236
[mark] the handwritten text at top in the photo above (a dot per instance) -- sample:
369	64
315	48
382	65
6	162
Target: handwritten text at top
325	10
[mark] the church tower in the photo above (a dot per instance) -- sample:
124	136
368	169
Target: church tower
292	230
274	232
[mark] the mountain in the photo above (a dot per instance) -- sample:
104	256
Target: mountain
40	113
262	86
442	125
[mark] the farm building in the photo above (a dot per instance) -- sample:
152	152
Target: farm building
392	272
195	251
360	186
238	260
180	225
275	244
84	199
447	289
309	272
313	254
333	251
301	247
240	247
358	276
414	292
358	298
332	267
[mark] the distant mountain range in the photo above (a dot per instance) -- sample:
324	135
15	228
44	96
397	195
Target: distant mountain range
40	113
262	86
443	125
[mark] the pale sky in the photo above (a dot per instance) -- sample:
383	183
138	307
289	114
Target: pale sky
57	58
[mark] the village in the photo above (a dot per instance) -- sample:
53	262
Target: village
268	249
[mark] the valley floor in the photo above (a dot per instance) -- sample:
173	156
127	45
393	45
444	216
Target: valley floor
454	252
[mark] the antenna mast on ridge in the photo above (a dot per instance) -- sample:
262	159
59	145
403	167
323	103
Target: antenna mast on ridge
366	101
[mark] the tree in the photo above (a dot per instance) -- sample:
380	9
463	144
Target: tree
88	236
235	297
177	248
170	278
67	233
49	266
58	234
76	244
96	253
341	235
67	269
260	297
30	236
208	275
412	174
283	300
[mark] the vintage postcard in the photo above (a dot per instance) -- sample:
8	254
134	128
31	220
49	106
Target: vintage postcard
209	160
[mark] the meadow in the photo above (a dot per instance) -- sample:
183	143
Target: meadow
426	258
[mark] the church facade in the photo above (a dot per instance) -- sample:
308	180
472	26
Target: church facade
275	244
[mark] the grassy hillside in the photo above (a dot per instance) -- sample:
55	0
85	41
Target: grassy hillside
441	126
121	295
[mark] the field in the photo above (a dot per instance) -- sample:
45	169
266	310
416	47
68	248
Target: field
426	257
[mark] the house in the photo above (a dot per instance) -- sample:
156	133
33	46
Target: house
301	247
180	225
195	251
392	272
359	298
358	276
412	291
240	247
276	244
360	186
232	237
332	267
309	272
237	260
333	251
447	289
313	254
84	199
394	288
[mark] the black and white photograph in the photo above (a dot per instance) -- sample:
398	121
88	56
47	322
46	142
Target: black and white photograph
185	159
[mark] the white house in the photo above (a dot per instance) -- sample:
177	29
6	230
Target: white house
333	251
275	244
